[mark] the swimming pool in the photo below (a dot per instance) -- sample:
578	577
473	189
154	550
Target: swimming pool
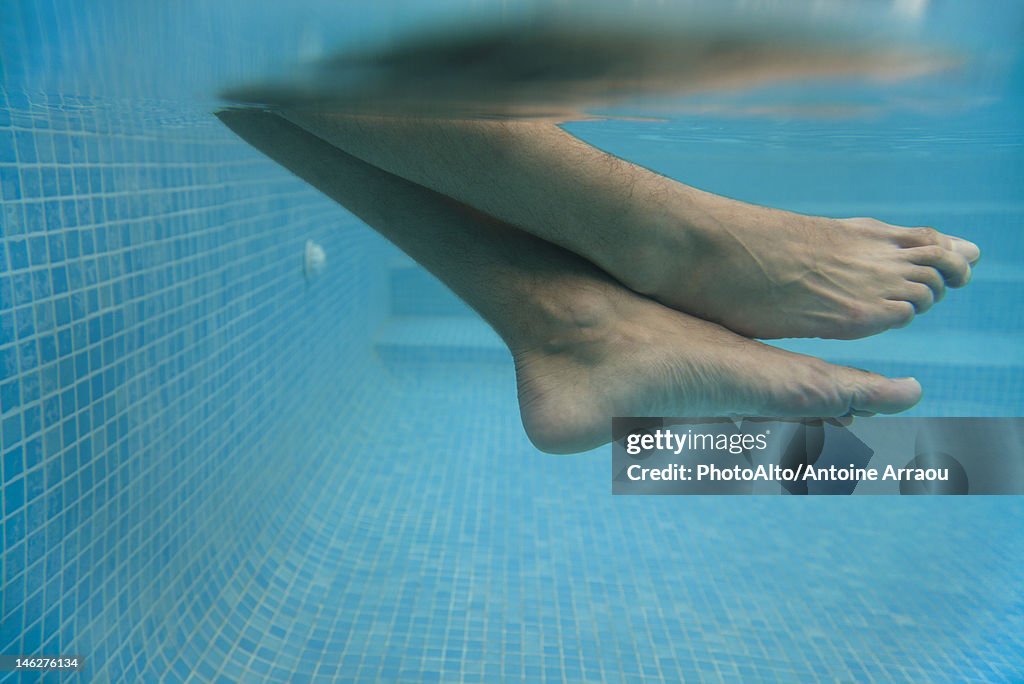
214	470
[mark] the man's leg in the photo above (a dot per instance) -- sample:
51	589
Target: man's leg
585	348
758	271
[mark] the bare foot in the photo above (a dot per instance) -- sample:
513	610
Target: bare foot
601	351
760	272
768	273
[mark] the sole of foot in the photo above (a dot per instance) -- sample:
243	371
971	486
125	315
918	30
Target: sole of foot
606	352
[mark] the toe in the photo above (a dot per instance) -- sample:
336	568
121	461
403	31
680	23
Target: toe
898	313
823	390
863	319
929	237
922	237
955	269
918	294
930	277
873	393
967	249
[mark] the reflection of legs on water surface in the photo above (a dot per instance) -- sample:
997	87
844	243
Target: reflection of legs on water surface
758	271
585	348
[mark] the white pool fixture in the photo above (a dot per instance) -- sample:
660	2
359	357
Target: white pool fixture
311	44
911	9
314	259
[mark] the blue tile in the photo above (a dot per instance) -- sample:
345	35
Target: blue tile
8	361
26	147
17	254
14	495
10	183
10	395
8	153
13	463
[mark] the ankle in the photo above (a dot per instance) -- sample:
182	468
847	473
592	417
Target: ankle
662	246
569	317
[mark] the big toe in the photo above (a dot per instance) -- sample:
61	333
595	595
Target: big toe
966	249
873	393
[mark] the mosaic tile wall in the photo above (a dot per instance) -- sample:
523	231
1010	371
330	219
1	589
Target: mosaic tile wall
157	334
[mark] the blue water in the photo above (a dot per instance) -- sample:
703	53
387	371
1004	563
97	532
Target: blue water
214	471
